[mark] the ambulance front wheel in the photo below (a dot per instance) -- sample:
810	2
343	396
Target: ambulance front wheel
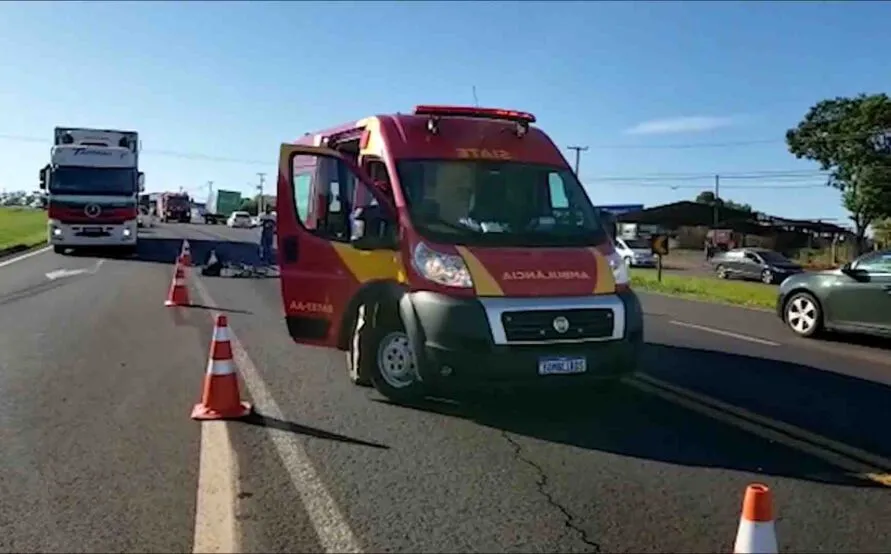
393	366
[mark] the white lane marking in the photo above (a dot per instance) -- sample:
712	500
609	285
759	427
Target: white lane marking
215	525
724	333
11	261
62	273
330	525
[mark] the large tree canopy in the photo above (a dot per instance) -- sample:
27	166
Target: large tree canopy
851	139
708	197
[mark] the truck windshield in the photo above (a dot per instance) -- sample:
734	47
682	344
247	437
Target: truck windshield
93	180
178	202
487	203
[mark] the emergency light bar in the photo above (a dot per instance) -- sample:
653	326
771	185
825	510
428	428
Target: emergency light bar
467	111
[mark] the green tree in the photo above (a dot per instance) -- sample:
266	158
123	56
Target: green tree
849	138
708	197
882	231
249	205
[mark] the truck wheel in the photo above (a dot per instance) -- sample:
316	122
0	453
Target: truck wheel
59	249
388	358
357	373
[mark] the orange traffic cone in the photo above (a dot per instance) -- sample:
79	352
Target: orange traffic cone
179	292
221	398
186	254
756	534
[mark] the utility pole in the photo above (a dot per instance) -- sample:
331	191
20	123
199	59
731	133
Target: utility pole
578	155
262	177
717	199
209	190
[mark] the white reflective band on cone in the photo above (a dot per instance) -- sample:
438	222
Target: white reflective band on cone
755	537
220	367
221	334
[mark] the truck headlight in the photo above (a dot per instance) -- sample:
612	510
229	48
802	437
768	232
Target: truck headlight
126	232
444	269
57	232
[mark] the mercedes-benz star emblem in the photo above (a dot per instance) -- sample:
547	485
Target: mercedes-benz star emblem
561	324
93	210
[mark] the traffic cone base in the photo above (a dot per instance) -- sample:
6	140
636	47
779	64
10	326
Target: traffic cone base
756	533
179	292
221	398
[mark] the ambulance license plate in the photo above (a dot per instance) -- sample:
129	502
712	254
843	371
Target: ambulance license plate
92	230
562	365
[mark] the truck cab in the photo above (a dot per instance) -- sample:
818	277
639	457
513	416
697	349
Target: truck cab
451	248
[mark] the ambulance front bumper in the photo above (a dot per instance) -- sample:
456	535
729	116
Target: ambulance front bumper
540	342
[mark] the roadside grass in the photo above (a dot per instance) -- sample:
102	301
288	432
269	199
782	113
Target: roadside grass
25	226
739	293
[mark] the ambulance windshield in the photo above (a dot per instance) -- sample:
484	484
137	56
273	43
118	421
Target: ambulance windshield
490	203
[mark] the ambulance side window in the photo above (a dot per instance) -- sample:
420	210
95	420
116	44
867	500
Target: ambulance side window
302	191
559	201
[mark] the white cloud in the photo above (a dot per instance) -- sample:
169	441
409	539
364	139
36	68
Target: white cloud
675	125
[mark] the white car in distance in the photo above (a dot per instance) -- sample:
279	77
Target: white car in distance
239	219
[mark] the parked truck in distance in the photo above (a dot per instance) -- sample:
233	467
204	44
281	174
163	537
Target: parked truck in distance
220	206
175	206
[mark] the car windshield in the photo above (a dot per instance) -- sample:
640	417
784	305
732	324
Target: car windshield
637	244
93	180
772	257
488	203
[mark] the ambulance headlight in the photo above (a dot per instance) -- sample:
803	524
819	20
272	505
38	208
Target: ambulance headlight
445	269
57	232
127	232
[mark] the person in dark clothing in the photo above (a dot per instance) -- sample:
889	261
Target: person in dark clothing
267	232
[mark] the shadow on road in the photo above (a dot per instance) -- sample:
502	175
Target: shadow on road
844	408
629	422
260	420
867	341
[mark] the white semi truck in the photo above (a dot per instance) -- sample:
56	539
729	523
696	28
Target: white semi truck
93	184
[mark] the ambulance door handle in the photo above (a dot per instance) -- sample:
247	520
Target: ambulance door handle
290	249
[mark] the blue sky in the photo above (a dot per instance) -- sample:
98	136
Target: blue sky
224	83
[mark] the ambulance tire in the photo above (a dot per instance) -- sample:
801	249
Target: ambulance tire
360	334
60	249
387	358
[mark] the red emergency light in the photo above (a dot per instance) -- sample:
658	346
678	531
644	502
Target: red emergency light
469	111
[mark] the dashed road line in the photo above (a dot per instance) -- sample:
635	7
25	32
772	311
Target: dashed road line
724	333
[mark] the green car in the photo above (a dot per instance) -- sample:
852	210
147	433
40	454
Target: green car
854	298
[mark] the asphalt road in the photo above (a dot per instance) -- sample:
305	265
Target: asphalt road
97	380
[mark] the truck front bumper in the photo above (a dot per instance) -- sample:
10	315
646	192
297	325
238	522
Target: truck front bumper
463	343
98	234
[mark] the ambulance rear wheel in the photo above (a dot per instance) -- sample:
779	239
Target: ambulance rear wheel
393	366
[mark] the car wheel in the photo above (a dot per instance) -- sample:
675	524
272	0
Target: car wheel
627	261
803	314
354	351
721	272
767	277
388	358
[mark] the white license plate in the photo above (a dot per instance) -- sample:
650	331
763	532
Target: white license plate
561	365
92	229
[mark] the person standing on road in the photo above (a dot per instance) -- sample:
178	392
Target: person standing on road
267	232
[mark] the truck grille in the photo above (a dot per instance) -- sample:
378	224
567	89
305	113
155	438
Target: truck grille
538	325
